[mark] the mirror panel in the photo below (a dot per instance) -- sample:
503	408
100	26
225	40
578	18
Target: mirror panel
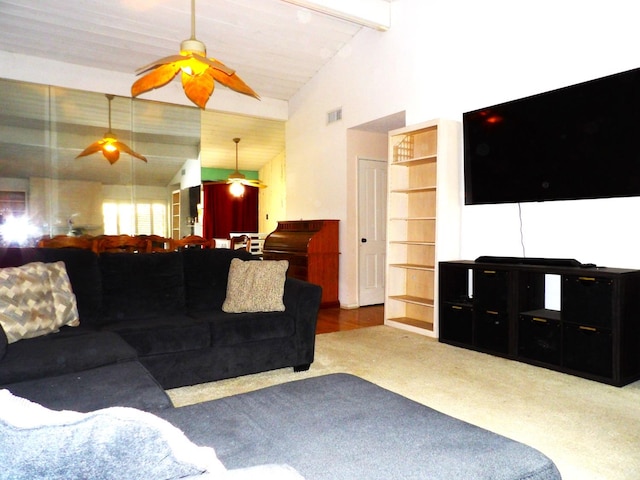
43	129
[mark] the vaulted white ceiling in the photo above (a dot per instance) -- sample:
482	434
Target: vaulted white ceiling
275	46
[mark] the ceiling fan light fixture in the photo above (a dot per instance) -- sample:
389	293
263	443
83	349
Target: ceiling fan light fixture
236	180
110	146
193	45
199	73
236	189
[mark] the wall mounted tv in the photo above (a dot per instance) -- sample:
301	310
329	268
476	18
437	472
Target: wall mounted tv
577	142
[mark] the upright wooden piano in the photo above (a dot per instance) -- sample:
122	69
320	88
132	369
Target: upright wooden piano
311	246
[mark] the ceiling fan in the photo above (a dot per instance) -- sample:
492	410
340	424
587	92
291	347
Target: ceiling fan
109	144
236	180
199	73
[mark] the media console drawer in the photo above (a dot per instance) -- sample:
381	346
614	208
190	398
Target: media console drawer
457	325
587	299
540	337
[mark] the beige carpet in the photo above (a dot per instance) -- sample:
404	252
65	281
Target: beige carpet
590	430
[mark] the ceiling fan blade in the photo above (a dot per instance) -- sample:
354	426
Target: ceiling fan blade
216	182
213	63
198	88
125	148
253	183
161	61
155	79
93	148
111	156
234	82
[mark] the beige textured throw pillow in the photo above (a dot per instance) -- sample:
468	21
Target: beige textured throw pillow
255	286
35	299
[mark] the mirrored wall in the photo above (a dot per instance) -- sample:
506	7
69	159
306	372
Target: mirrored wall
46	190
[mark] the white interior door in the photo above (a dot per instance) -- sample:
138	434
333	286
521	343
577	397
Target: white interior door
372	227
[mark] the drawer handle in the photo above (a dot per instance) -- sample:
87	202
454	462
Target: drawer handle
588	329
488	271
492	312
541	320
587	279
456	307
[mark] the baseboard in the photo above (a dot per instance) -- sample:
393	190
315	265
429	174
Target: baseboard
351	306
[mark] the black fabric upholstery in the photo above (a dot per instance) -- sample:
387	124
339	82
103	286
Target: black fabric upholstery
69	351
232	329
14	257
141	285
3	343
205	276
166	334
340	427
125	384
302	300
221	361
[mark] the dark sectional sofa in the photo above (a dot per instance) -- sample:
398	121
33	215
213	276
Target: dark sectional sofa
158	319
154	321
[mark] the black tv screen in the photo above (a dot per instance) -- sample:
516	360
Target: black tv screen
577	142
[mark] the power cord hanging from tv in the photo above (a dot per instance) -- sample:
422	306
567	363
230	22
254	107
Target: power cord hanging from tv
521	229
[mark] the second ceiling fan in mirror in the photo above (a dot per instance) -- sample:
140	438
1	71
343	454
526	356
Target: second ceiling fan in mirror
109	144
236	180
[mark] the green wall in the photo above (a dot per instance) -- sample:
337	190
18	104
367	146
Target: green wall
223	174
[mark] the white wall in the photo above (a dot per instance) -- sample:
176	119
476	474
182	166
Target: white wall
442	58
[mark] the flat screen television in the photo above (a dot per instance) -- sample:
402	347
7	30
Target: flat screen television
577	142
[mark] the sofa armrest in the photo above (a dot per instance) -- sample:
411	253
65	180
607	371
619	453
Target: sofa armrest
302	300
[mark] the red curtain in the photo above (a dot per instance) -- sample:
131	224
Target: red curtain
223	213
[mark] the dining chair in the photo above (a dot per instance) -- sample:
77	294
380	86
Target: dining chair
241	242
123	243
192	241
67	241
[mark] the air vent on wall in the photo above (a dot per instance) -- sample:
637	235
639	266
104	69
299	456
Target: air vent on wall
334	115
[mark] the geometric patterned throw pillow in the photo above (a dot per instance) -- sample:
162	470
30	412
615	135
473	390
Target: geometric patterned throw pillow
27	306
64	299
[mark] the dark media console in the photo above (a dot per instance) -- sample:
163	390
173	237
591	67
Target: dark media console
496	305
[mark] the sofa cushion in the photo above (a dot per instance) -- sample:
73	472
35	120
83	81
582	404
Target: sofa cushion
64	300
232	329
255	286
141	285
70	350
112	443
205	276
356	430
163	334
126	384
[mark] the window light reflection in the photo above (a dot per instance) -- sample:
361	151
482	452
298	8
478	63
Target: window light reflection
17	231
